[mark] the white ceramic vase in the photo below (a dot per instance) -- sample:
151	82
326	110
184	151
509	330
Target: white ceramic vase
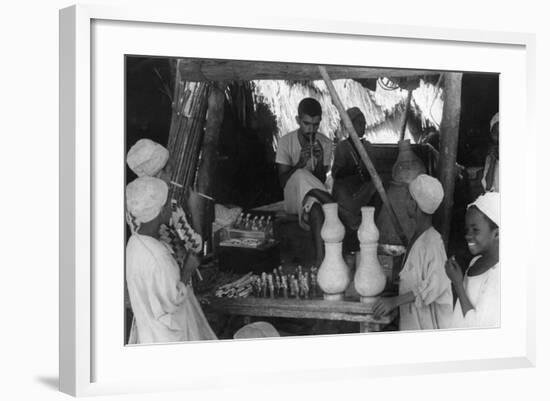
334	275
370	279
333	230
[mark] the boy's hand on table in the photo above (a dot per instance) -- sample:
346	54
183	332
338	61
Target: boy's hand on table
384	306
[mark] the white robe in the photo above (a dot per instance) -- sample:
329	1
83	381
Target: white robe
483	291
165	309
424	275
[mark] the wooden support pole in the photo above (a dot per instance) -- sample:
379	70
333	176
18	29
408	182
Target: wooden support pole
448	147
209	152
405	115
208	161
363	155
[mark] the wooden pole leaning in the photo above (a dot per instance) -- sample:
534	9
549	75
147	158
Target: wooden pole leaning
405	115
363	155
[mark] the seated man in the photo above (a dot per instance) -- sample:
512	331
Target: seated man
303	158
353	187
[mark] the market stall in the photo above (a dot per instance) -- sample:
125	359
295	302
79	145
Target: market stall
259	246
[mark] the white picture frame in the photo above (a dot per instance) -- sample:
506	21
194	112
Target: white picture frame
85	365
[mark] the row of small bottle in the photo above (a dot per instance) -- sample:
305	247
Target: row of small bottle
254	223
279	285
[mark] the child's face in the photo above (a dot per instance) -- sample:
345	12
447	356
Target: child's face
479	235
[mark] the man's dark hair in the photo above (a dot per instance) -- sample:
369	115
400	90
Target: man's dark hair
309	106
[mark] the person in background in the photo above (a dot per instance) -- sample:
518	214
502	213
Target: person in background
164	308
353	187
478	289
303	158
490	177
425	297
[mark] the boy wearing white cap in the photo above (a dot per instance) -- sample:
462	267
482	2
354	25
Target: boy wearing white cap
165	309
148	158
425	297
478	289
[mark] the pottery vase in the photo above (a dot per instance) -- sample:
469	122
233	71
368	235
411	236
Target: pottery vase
333	230
370	279
334	275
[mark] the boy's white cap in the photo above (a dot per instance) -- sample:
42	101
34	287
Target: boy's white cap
147	158
489	205
427	192
256	330
145	198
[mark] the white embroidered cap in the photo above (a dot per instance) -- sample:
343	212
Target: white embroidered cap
145	198
427	192
147	158
489	205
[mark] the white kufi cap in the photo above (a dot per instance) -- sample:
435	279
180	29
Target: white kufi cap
256	330
427	192
145	198
147	158
489	205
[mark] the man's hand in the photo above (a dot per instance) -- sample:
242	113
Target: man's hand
384	306
305	154
191	265
454	272
318	153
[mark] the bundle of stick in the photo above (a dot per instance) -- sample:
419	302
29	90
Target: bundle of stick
240	288
189	108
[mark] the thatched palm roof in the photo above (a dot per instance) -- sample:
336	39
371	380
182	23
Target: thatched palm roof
382	108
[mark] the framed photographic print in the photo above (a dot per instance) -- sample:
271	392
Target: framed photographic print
307	191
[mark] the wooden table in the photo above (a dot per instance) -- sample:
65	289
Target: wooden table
348	310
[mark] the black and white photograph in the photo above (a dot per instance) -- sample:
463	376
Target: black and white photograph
270	199
256	201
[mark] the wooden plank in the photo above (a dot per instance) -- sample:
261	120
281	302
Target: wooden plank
306	315
292	308
299	304
228	70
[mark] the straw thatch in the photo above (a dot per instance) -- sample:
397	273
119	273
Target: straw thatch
382	108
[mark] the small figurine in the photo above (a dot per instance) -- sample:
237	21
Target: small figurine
264	285
296	287
270	286
277	286
292	287
313	282
284	286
